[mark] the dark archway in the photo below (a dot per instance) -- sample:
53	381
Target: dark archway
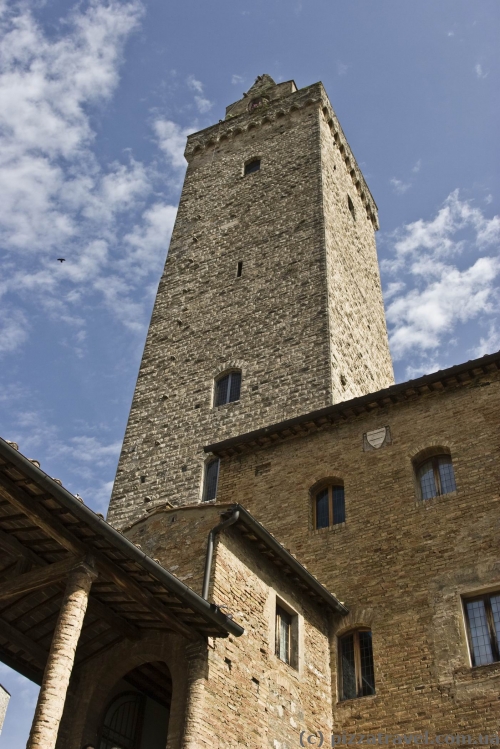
137	713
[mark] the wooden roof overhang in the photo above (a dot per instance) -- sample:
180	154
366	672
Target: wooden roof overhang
44	531
462	375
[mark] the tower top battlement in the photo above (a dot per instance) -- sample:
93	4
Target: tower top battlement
264	90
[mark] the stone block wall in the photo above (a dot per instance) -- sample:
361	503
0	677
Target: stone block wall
304	322
226	692
400	564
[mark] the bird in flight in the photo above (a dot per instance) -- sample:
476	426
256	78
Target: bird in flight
61	259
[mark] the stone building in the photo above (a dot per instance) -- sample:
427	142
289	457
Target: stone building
296	548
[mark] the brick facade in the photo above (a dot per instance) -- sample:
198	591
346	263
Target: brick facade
400	564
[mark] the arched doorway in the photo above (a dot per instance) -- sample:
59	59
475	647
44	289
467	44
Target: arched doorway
136	716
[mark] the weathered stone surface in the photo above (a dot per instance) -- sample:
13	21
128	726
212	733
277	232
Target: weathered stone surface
305	320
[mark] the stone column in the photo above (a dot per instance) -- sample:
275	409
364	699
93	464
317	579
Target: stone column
196	732
60	661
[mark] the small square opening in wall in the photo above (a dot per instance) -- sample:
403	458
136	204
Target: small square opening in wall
252	166
287	635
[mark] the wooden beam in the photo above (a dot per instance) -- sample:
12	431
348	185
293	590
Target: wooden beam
96	607
39	515
36	579
22	668
11	545
26	644
113	619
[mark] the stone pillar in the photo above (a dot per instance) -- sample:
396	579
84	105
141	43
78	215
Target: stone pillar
60	661
196	732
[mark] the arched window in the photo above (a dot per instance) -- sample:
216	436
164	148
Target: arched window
329	506
356	672
123	722
435	476
227	388
211	480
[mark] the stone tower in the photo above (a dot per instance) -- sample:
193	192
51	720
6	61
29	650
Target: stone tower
272	272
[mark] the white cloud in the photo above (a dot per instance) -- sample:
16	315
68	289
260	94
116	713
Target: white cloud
392	289
204	105
14	329
57	199
151	235
422	317
194	84
417	166
236	79
488	344
447	282
342	68
400	186
479	71
488	199
172	141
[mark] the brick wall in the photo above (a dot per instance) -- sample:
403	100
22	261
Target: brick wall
400	564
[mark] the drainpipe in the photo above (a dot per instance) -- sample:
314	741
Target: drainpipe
210	549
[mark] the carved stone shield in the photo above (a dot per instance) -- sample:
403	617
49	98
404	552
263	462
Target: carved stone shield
376	437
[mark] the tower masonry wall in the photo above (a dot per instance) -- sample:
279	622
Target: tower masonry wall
287	322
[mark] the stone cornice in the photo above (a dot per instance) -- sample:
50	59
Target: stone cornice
210	137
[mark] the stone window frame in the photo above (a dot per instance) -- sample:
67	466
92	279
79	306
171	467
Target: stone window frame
494	636
432	454
293	648
329	483
354	632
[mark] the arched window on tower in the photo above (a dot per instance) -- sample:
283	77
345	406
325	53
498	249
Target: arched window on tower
227	388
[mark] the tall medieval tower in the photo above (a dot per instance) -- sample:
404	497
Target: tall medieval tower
272	275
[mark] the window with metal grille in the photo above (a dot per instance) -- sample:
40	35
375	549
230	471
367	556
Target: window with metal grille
286	636
252	166
211	480
482	617
329	506
435	477
356	672
227	388
123	722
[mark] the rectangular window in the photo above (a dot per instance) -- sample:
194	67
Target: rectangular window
482	617
211	480
357	675
252	166
286	636
239	269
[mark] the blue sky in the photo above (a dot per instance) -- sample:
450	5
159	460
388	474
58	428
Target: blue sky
96	100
